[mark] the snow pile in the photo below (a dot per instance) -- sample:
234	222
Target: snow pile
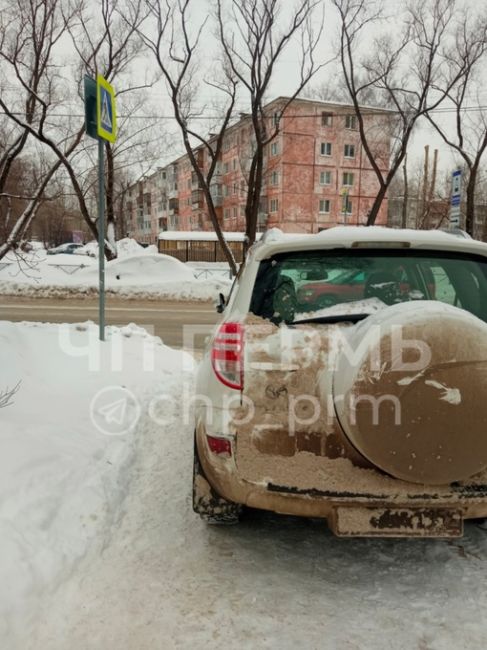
125	248
67	443
90	249
140	270
144	276
128	246
367	306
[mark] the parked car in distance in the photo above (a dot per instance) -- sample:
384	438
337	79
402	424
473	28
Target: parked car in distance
355	284
66	249
369	412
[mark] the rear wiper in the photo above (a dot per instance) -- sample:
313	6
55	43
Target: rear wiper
335	318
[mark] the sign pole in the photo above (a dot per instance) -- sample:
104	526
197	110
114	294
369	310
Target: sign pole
101	237
100	124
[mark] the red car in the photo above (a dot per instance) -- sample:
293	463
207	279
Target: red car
358	285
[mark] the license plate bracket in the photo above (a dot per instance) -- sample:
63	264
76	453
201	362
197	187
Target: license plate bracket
372	521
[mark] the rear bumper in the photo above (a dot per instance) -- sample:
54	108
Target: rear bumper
464	501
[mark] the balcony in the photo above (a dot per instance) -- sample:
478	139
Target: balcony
173	206
197	199
195	184
262	221
216	190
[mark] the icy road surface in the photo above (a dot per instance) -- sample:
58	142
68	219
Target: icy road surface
166	580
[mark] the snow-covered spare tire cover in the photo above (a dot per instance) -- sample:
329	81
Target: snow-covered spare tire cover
418	411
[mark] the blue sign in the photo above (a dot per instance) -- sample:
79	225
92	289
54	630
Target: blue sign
106	111
456	198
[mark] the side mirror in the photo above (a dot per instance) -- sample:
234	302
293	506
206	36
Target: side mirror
221	304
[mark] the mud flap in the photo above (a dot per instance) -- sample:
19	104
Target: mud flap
363	521
211	507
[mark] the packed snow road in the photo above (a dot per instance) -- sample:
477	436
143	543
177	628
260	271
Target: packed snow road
100	549
166	580
172	321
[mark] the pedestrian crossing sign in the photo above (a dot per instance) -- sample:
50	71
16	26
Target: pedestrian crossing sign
106	115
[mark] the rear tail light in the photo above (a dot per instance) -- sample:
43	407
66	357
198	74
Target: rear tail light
220	446
227	355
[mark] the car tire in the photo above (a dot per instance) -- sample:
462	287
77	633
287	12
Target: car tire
327	301
210	506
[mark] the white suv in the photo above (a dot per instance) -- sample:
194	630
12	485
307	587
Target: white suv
348	381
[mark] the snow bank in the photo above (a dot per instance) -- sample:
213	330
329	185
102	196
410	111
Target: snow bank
144	276
139	270
125	248
66	446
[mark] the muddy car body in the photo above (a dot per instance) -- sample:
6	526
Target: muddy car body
370	413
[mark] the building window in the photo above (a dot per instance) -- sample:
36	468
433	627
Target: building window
274	205
276	118
325	149
325	178
326	119
274	148
324	206
226	213
349	151
275	178
235	188
242	210
347	179
225	190
225	168
234	163
346	205
351	122
234	213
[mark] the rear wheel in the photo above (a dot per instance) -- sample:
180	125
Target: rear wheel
327	301
210	506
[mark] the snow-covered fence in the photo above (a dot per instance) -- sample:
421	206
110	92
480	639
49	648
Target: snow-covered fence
204	274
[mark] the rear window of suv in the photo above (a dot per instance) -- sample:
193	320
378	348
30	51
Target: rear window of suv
292	284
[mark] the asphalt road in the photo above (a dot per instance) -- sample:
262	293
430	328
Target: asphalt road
178	324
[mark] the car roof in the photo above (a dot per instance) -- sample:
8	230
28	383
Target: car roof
275	242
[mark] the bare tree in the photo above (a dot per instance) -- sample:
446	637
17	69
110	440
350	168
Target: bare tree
175	49
404	214
255	37
467	57
29	32
107	46
401	65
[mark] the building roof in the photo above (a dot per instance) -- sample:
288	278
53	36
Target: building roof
201	235
330	104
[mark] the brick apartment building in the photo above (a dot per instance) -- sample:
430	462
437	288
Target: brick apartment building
316	176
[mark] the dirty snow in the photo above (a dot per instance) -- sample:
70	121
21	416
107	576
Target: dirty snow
166	580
